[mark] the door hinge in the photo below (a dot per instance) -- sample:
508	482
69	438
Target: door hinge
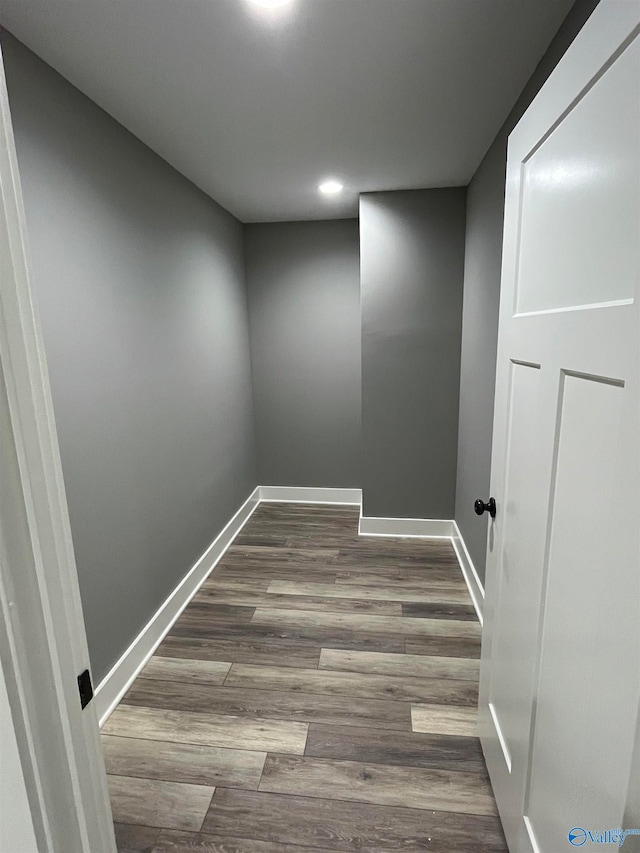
85	688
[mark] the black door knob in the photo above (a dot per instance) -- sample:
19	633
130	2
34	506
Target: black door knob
490	507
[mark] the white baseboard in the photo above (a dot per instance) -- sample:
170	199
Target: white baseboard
118	680
472	579
431	528
309	495
423	528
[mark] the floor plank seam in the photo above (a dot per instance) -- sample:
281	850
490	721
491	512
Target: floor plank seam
316	676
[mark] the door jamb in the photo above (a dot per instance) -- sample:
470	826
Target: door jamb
42	637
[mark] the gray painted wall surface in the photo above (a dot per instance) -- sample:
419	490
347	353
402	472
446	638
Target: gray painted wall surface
304	305
140	284
412	261
485	213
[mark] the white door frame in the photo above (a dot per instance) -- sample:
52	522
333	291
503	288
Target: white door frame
509	741
42	637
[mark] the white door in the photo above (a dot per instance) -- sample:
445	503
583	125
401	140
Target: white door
52	746
560	677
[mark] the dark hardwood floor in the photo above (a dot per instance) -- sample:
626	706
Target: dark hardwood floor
318	694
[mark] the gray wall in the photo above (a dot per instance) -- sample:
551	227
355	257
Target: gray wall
304	300
485	212
412	259
140	285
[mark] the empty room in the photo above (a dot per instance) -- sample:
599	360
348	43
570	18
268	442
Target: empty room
320	426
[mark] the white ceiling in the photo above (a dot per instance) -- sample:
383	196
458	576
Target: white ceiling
256	108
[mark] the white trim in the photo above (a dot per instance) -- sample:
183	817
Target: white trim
421	528
530	834
42	634
501	740
589	306
123	673
472	579
310	495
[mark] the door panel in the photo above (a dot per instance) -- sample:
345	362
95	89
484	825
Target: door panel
560	674
513	671
580	195
580	765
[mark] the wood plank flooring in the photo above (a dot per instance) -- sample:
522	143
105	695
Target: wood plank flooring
318	694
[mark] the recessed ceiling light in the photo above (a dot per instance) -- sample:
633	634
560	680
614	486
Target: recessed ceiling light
271	4
331	187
